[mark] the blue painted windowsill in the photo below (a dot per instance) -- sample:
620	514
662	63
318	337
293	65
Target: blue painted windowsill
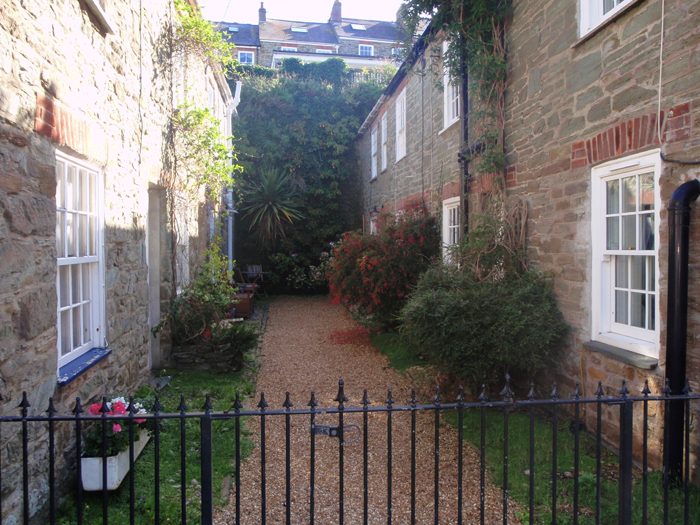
75	368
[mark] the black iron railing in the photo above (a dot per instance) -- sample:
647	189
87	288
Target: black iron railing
675	477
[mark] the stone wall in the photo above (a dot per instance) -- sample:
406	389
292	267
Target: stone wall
573	104
352	47
67	84
430	171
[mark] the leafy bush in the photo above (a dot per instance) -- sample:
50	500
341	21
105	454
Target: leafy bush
481	330
295	273
375	273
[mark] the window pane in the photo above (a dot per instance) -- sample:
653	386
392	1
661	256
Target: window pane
629	232
77	327
92	243
87	329
70	233
75	283
86	281
620	307
608	5
652	312
646	190
613	196
83	191
638	273
71	188
63	285
60	240
629	194
60	185
651	270
638	311
621	267
613	233
83	234
93	192
65	332
646	231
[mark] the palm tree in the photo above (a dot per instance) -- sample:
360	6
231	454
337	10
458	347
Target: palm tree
272	204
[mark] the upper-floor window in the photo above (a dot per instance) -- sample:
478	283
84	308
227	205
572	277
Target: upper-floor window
450	95
289	48
594	12
385	149
325	51
624	228
451	214
80	275
366	50
246	57
374	153
401	125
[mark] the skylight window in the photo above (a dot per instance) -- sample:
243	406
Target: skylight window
299	30
358	27
233	29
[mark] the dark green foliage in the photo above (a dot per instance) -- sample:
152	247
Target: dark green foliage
304	128
334	70
401	356
481	330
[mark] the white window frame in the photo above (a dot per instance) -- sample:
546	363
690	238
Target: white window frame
373	226
451	223
373	141
401	125
604	328
247	53
367	47
90	264
385	145
289	48
591	15
450	95
324	51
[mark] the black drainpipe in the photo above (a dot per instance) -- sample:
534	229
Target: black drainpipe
677	319
465	131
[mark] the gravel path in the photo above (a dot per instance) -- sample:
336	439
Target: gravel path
298	357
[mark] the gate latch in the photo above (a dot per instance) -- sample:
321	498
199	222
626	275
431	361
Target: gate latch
333	431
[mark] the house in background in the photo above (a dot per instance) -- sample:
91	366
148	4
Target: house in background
363	44
587	123
86	99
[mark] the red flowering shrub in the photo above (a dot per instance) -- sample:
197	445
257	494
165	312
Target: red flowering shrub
375	273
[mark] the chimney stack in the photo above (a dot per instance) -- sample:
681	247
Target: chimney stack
262	14
336	13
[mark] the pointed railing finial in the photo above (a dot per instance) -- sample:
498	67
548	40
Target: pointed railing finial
483	397
52	409
237	405
78	408
624	390
646	390
438	398
414	398
104	409
182	407
341	398
555	393
24	404
312	403
262	405
157	407
207	404
532	394
460	395
131	408
577	391
667	389
389	399
287	402
365	400
599	391
507	393
686	389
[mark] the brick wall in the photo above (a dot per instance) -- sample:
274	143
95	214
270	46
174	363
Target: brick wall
429	172
104	98
572	105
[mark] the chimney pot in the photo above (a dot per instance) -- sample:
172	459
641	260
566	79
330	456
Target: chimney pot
262	14
336	13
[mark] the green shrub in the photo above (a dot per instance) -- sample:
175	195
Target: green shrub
481	330
376	273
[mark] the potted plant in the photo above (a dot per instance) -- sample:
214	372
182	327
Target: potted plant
117	444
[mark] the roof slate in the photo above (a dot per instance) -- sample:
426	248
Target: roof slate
281	30
375	30
247	34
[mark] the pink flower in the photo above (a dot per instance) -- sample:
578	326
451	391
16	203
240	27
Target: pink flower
118	408
94	409
139	421
116	428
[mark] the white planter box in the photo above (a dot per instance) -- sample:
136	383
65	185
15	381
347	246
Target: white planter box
117	466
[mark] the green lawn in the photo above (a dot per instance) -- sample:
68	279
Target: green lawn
194	386
519	462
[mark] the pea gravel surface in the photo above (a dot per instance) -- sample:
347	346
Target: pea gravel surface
298	357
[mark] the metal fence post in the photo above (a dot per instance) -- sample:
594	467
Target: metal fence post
625	484
207	457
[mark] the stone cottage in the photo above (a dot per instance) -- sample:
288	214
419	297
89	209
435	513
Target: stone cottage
602	126
87	92
363	44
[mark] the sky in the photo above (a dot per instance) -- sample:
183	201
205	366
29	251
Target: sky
246	11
